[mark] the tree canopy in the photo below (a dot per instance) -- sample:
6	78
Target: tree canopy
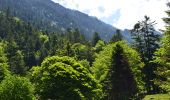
105	63
63	78
162	59
16	88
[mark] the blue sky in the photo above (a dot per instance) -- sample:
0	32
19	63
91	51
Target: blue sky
120	13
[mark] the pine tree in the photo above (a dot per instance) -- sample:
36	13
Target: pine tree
18	64
117	36
146	42
123	84
96	38
69	51
118	68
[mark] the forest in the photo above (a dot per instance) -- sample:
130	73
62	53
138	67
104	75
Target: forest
38	64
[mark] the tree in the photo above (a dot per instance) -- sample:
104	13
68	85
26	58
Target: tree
63	78
99	46
69	51
162	59
96	38
123	84
146	42
3	63
145	38
74	36
80	51
16	59
16	88
8	13
109	66
116	37
18	64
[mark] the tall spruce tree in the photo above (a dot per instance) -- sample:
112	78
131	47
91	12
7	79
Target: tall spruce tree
117	36
96	38
118	68
123	84
146	42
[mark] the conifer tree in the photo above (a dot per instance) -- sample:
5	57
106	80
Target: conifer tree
123	85
18	64
118	69
146	42
117	36
96	38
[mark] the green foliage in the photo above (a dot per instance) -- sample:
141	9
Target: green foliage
3	63
85	63
80	51
146	42
95	39
18	64
123	85
44	38
104	62
116	72
163	64
145	38
162	59
74	36
16	88
116	37
63	78
99	46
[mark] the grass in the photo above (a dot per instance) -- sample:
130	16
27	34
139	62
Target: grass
157	97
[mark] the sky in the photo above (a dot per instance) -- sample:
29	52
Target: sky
122	14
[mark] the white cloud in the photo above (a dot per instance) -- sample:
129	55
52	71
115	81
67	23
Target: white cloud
131	11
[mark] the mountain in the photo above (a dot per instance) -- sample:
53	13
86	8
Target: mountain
51	16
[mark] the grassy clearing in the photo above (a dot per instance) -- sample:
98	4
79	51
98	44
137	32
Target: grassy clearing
157	97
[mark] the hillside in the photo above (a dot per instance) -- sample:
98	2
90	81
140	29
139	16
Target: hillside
47	15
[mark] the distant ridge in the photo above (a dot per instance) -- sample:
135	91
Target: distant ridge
51	16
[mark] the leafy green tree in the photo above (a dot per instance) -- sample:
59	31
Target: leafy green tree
99	46
85	63
80	51
62	78
117	36
16	88
66	50
162	59
42	50
108	69
146	42
95	39
3	63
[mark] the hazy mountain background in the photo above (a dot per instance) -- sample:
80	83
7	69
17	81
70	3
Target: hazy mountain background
50	16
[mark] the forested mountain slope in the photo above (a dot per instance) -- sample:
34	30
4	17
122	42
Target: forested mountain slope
51	16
